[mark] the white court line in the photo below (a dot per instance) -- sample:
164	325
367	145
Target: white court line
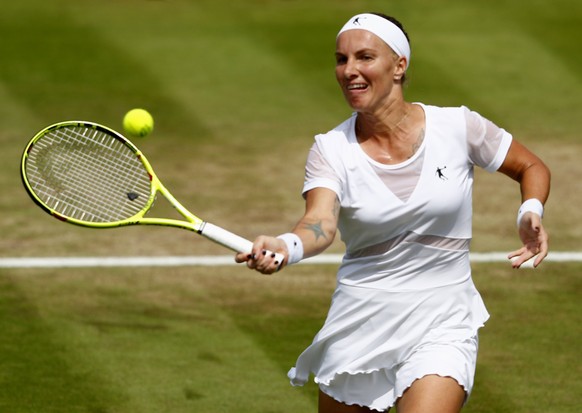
217	260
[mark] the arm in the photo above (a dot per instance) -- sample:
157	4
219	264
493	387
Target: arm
316	229
318	226
534	178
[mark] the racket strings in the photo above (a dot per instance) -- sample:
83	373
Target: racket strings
106	182
88	174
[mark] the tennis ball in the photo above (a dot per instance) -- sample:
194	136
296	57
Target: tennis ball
138	122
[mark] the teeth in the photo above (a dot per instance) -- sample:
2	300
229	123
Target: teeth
357	86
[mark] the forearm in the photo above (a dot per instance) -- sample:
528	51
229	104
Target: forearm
529	171
317	228
313	233
533	177
535	182
316	234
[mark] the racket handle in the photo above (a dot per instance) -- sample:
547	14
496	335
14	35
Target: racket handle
232	241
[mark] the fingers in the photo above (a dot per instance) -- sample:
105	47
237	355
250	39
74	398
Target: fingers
261	258
517	262
540	257
241	257
519	257
524	254
535	243
264	262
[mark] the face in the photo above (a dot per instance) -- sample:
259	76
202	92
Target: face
366	69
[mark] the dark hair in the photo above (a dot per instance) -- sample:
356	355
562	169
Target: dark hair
400	26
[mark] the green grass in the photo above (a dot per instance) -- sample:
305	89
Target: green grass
238	89
220	340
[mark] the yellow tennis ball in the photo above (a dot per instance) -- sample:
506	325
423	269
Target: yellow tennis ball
138	122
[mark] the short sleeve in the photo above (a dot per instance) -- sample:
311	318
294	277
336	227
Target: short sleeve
319	173
488	143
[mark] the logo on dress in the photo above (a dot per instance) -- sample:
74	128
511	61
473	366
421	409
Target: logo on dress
439	172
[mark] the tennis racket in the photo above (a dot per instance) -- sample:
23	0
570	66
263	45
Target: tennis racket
86	174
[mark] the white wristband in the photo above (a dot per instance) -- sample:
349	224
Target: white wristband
294	247
531	205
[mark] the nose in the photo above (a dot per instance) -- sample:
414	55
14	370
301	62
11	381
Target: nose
350	69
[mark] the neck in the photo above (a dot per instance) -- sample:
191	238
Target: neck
388	122
393	137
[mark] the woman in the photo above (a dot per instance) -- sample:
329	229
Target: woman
396	180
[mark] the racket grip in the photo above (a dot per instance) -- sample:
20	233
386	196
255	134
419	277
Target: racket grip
232	241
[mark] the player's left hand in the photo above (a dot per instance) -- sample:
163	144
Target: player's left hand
535	241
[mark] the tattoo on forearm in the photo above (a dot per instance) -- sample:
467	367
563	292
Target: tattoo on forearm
317	230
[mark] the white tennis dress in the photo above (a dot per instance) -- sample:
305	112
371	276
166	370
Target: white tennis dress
405	280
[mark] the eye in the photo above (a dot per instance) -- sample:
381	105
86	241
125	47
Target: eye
340	59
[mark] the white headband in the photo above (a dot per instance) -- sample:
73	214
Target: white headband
391	34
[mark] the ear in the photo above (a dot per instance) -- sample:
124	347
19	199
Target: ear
400	68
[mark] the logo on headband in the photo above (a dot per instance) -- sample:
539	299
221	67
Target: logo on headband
356	21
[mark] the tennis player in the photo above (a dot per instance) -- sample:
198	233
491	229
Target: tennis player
396	180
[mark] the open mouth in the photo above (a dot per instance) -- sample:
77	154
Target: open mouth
357	86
